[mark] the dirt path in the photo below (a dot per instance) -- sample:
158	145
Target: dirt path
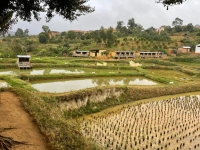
13	115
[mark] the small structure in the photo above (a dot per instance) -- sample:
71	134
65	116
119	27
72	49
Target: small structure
133	64
79	53
97	53
23	61
184	49
159	30
102	64
197	49
152	54
124	54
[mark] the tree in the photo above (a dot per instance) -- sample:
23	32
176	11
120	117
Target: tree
190	27
26	32
46	29
26	9
19	33
96	36
111	38
6	21
131	24
151	29
168	29
124	31
168	3
43	38
119	26
72	35
177	23
102	34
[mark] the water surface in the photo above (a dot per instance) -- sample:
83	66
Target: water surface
77	84
3	84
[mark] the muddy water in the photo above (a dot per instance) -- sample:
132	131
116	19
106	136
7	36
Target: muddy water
77	84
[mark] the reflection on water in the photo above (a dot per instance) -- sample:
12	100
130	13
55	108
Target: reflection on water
77	84
37	72
3	84
70	70
7	73
41	71
54	71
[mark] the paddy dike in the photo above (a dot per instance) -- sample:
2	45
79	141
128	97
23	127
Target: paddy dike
16	123
109	96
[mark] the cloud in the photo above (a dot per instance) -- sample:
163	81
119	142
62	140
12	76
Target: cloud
107	13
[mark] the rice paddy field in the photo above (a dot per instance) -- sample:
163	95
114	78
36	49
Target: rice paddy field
166	124
109	111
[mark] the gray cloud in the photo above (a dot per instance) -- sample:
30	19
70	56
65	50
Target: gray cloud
107	13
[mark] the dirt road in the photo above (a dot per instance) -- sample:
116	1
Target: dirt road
13	115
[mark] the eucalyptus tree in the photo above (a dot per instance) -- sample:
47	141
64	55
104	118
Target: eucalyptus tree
119	26
177	24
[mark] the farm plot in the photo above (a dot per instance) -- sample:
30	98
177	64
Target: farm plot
168	124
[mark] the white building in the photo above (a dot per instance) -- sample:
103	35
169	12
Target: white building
197	49
23	61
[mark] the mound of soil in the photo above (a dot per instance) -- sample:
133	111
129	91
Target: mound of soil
17	124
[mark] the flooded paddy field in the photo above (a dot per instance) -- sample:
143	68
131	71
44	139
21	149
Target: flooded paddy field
60	86
69	70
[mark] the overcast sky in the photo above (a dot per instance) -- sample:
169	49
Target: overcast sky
108	12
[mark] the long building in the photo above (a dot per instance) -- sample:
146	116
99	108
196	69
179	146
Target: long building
124	54
152	54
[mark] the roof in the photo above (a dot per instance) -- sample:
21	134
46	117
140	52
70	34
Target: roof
125	51
23	56
82	51
151	52
186	47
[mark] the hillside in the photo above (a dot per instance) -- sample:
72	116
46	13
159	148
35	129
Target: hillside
48	44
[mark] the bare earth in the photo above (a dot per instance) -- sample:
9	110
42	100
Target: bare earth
13	115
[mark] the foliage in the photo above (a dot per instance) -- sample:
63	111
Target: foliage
168	3
119	26
25	10
6	21
21	33
43	38
131	24
177	23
